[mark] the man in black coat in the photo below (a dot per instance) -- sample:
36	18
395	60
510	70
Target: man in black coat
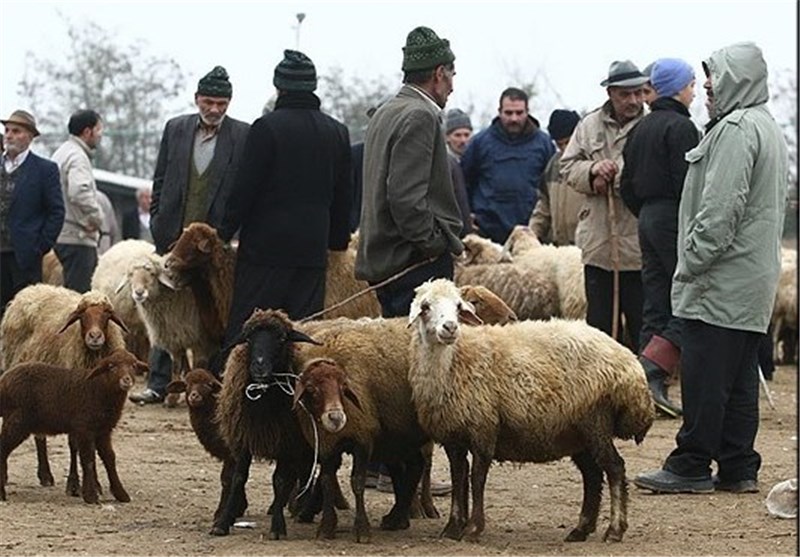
291	201
196	166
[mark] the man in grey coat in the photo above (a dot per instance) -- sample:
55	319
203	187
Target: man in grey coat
409	212
196	166
730	221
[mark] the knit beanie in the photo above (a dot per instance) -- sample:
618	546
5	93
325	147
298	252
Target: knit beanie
562	123
457	119
295	72
424	50
670	76
215	84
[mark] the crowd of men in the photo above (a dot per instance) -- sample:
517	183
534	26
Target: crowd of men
679	230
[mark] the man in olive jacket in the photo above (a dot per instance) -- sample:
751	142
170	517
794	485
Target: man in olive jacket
730	221
409	212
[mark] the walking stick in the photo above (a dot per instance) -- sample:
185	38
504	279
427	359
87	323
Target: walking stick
612	217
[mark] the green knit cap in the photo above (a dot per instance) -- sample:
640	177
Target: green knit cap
215	84
424	50
295	72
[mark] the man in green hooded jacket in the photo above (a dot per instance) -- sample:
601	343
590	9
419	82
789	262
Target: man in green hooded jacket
729	232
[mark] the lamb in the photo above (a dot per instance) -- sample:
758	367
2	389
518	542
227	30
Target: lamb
527	392
784	312
255	416
561	264
86	404
109	278
37	327
202	390
480	251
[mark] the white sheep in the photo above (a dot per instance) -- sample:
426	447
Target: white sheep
784	312
526	392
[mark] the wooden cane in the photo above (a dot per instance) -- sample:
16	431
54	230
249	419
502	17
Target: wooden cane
612	217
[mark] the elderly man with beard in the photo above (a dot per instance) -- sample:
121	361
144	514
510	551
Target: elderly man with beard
195	170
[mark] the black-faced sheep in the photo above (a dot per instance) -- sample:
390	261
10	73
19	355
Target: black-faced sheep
254	412
202	390
86	404
527	392
37	326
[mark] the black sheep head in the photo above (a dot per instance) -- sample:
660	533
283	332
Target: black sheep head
269	334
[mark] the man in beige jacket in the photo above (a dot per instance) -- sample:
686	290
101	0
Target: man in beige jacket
592	165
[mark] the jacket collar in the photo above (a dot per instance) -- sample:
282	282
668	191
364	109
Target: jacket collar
297	99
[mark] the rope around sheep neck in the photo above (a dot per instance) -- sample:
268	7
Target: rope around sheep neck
254	391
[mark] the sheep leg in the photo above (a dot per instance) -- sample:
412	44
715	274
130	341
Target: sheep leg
480	470
422	503
459	507
43	464
405	478
11	436
283	480
358	481
73	481
224	521
109	458
592	494
327	479
225	479
86	450
614	466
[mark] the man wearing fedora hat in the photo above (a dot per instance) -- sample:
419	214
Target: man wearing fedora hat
31	207
591	165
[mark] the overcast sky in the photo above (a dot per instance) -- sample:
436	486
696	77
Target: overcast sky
567	45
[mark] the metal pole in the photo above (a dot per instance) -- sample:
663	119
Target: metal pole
300	17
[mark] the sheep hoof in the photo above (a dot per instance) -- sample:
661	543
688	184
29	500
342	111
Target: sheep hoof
122	496
46	480
73	488
472	533
219	531
393	521
91	499
362	532
613	535
577	535
453	530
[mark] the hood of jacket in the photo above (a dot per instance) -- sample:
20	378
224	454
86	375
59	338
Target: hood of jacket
738	78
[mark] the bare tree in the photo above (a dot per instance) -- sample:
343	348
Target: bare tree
132	90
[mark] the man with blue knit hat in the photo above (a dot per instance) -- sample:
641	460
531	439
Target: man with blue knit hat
290	202
651	186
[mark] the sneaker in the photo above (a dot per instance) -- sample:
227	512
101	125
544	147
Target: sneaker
441	489
664	481
147	396
372	480
385	484
735	486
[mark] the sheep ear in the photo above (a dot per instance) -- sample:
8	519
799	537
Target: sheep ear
299	389
414	314
204	246
176	387
506	257
141	367
164	279
118	320
121	285
466	314
351	395
100	369
73	317
299	336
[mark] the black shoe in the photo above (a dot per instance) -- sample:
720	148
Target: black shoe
147	396
664	481
735	486
656	381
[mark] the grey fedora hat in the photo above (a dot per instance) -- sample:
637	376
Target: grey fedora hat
624	73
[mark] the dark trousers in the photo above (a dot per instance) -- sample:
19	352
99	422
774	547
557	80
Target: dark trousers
13	278
658	238
396	297
765	354
160	373
78	263
600	302
719	390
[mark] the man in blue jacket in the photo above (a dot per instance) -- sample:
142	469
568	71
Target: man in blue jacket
502	166
31	207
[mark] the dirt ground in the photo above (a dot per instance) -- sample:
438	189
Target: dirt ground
174	486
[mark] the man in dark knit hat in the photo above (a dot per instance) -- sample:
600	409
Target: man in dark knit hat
197	162
290	202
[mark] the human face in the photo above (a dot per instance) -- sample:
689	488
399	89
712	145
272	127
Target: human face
627	102
649	93
92	136
709	96
513	115
562	143
458	139
17	139
212	109
143	197
686	95
443	83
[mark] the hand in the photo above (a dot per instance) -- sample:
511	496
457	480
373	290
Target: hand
600	185
606	168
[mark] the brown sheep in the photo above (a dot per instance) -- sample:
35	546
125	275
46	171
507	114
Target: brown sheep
84	403
37	327
202	390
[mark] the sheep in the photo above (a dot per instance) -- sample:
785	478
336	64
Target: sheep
375	354
488	305
254	413
109	278
784	312
37	327
202	390
531	391
528	291
340	284
561	264
479	250
86	404
52	272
